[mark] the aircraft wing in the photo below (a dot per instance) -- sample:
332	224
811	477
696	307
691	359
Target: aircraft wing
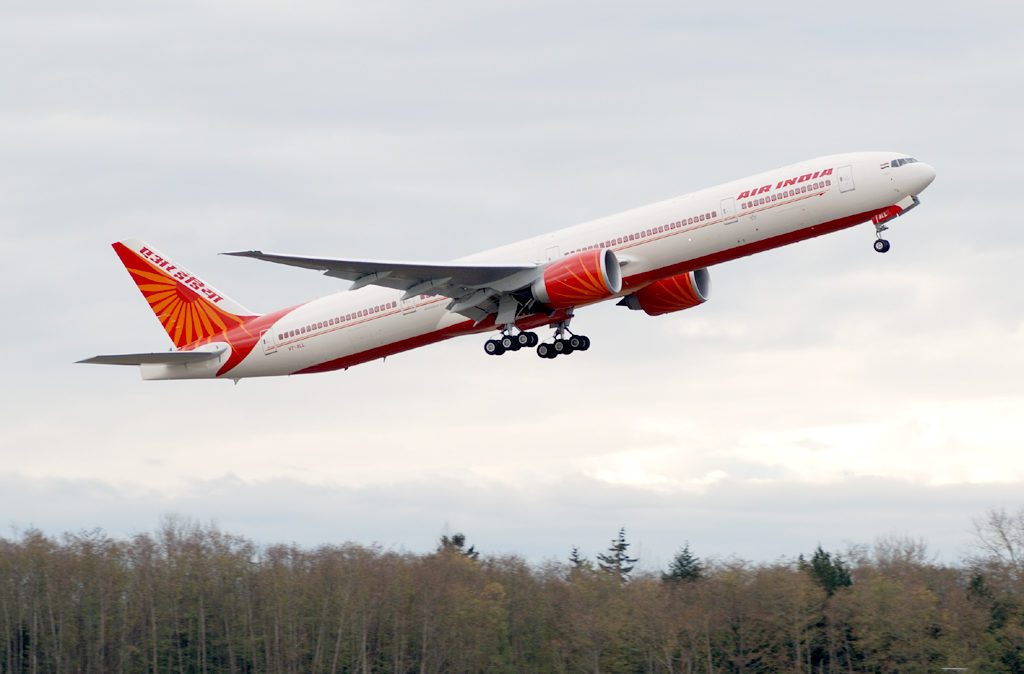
159	358
475	289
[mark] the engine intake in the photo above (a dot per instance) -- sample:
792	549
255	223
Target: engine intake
582	278
675	293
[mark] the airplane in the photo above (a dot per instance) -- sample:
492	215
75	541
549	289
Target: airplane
653	259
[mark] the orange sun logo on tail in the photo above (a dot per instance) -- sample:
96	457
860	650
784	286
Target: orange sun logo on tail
189	309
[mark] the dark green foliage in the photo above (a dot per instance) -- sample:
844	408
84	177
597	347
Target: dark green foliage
457	545
684	568
617	562
830	572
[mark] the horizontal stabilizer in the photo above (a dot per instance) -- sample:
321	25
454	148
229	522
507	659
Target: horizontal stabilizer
161	358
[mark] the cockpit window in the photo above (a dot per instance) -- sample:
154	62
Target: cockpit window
900	162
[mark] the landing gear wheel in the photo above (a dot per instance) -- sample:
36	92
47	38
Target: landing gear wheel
523	339
576	343
546	351
509	343
881	246
493	347
562	346
586	342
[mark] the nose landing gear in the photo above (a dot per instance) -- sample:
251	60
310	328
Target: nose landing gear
881	245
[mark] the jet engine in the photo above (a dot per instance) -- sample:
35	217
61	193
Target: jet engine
675	293
582	278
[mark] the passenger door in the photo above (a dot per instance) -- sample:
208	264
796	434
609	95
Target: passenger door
729	210
845	176
269	343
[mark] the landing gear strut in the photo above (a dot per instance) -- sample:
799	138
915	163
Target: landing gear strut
881	245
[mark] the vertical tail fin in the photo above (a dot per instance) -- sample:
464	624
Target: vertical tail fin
190	310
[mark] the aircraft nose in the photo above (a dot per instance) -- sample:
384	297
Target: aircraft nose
918	176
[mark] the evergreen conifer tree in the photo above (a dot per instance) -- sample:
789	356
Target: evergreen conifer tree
830	572
617	561
684	568
577	560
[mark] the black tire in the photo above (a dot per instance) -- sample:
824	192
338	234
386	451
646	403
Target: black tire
493	347
546	351
563	347
882	246
508	343
523	339
576	342
534	338
586	342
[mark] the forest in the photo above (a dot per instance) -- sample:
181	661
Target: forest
192	598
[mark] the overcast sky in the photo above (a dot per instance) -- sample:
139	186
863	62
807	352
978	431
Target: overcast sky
826	394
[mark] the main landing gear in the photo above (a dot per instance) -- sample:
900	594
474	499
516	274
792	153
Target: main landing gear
564	342
510	342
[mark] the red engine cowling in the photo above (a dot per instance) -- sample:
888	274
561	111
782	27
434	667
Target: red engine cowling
673	294
585	277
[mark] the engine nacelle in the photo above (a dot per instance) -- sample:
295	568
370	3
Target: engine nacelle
588	276
675	293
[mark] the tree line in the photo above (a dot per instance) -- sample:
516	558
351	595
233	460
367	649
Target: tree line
190	598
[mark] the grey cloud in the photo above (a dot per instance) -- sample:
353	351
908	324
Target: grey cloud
758	521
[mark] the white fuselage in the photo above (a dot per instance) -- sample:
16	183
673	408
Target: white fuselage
651	242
